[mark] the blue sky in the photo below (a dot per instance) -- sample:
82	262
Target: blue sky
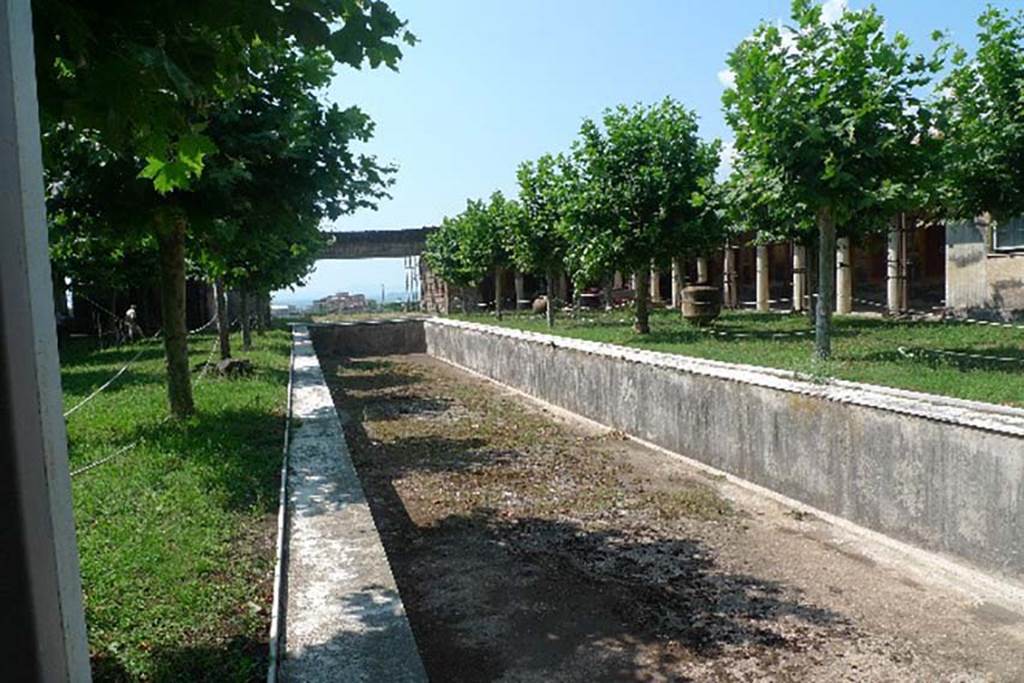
494	83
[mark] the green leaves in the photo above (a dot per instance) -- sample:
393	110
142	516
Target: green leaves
637	190
466	247
133	73
981	119
830	111
184	165
537	239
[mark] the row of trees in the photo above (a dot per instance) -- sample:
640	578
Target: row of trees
194	139
838	127
634	190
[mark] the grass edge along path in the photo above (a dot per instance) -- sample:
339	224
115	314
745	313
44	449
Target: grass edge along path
176	534
974	362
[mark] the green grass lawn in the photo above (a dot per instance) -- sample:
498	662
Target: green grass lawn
177	535
865	349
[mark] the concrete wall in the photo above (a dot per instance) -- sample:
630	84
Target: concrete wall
370	337
979	281
360	244
944	474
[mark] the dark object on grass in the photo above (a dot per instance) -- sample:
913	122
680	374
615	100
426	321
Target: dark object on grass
234	367
701	304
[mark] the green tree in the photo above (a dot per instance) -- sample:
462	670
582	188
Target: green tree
445	256
826	116
537	241
638	193
983	121
468	247
489	243
140	80
286	165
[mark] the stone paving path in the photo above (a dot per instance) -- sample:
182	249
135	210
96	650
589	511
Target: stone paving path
344	619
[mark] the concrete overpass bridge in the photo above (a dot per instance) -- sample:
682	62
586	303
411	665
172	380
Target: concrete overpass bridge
360	244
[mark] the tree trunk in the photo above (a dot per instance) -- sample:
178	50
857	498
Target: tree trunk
549	312
260	323
642	325
223	331
826	283
60	294
243	311
465	300
171	243
498	277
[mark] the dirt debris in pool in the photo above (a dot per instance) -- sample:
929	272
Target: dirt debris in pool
527	547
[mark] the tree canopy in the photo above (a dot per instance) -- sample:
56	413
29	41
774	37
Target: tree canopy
639	192
983	121
143	77
828	116
137	99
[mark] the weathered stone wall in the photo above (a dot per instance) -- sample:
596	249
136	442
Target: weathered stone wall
370	337
944	474
360	244
979	281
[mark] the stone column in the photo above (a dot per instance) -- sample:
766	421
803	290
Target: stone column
894	269
677	282
702	270
617	280
43	635
655	285
520	291
762	279
799	276
844	277
730	296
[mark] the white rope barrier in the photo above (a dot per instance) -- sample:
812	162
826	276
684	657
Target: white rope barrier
757	335
125	449
110	381
124	367
907	352
947	318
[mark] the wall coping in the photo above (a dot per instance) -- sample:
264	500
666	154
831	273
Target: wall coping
987	417
367	321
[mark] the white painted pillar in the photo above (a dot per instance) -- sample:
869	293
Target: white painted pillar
520	291
655	285
799	276
44	636
762	279
677	282
702	270
892	272
896	268
844	277
730	295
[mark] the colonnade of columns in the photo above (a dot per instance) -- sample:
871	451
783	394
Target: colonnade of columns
896	279
802	298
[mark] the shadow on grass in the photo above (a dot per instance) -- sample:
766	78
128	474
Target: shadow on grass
945	358
111	357
84	382
238	450
240	659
